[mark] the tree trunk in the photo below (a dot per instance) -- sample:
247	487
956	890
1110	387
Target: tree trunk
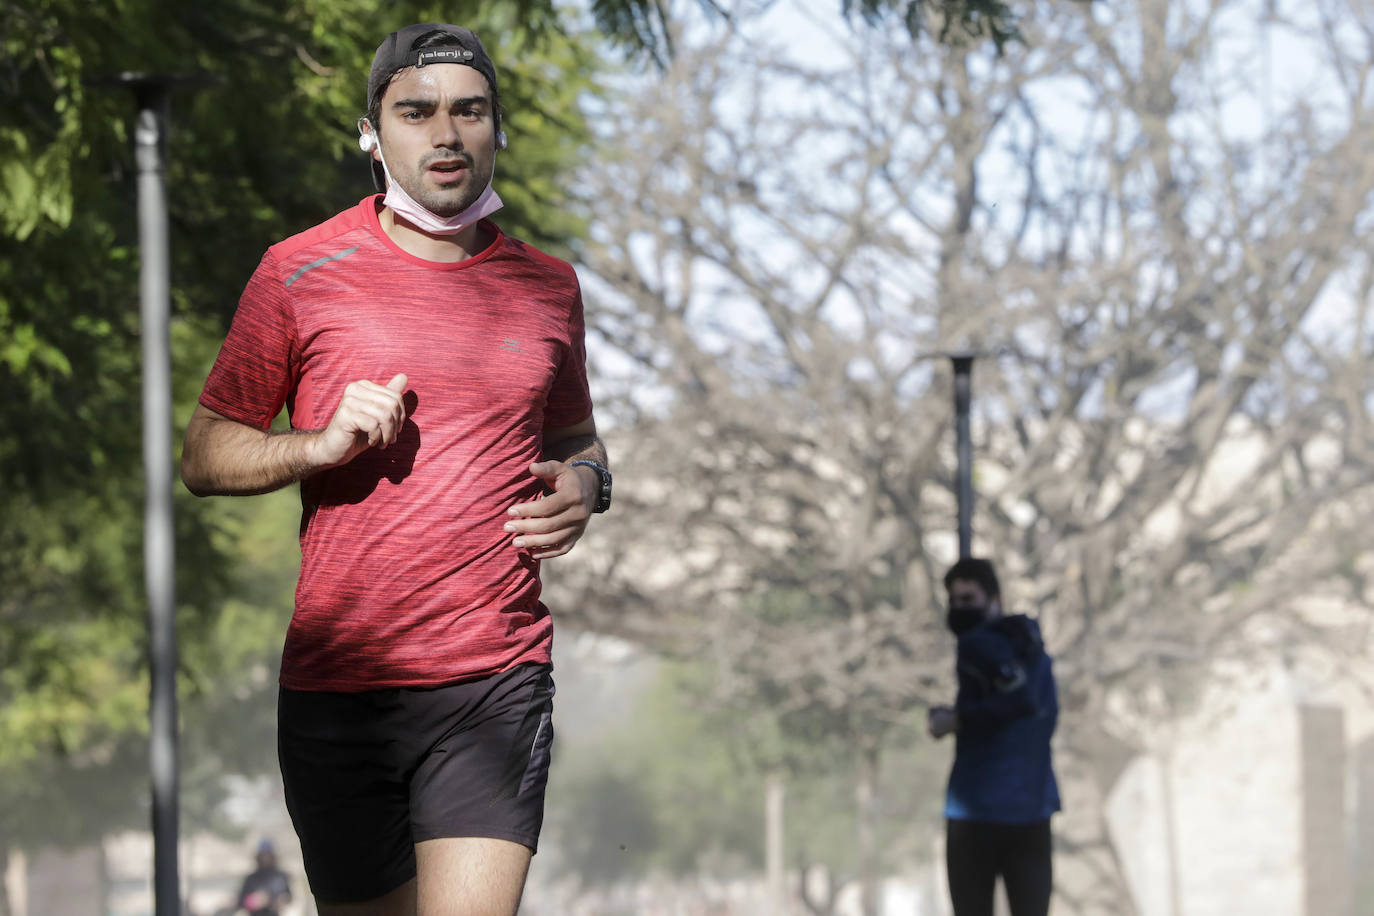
824	905
5	908
865	792
775	797
1166	786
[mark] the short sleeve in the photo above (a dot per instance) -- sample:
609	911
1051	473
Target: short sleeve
258	364
570	400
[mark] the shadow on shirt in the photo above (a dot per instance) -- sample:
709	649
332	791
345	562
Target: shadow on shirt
356	481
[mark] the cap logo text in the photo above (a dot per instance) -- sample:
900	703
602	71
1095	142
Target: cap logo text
444	56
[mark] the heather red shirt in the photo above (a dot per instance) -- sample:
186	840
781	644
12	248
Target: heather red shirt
407	576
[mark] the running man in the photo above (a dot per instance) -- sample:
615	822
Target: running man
442	434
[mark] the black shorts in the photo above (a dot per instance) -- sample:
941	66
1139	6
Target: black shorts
368	775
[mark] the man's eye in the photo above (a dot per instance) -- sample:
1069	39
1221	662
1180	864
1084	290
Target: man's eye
413	115
471	114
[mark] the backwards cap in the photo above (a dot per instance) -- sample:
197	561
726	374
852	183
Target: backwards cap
396	52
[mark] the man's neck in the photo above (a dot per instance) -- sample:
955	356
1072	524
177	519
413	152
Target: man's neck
467	242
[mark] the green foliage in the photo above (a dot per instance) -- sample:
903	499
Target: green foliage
952	21
662	793
267	151
678	789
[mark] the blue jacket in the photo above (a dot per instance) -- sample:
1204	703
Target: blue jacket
1008	707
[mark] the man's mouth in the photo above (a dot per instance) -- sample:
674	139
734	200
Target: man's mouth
448	166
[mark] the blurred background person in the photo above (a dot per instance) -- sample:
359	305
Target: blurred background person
267	890
1002	789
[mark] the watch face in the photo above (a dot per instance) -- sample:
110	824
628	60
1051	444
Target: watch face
603	496
603	500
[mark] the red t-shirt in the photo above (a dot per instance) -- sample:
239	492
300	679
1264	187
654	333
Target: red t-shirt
407	576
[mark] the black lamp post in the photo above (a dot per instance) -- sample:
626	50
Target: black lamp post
151	92
963	396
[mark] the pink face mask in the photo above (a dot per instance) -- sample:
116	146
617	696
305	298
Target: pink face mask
404	206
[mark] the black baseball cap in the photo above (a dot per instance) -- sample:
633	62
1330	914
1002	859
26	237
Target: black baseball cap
398	51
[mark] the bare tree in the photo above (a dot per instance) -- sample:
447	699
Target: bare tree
1174	425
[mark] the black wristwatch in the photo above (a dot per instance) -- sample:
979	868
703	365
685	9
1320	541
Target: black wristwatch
603	495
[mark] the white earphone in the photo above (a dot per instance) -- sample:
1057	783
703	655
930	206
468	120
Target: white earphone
367	140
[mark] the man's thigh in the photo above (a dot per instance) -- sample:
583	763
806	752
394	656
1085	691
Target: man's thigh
470	876
460	876
400	902
1027	869
485	772
971	864
347	790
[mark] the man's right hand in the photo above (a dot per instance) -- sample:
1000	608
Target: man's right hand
226	457
369	415
941	721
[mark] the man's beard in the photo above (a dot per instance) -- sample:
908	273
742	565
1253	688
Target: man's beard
446	203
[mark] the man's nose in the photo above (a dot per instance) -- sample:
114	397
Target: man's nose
446	133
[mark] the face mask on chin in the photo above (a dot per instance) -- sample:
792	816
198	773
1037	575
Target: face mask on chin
406	207
962	619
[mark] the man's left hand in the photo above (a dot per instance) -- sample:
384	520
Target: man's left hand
550	525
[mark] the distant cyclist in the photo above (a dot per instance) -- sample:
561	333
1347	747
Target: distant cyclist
267	889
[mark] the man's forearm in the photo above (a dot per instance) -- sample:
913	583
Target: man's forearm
577	448
226	458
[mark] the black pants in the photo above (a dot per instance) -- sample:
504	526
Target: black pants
976	852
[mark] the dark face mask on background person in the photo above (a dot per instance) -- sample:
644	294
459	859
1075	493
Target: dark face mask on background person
962	619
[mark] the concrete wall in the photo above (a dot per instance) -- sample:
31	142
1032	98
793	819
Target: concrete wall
65	881
1213	824
1326	839
1260	805
1362	851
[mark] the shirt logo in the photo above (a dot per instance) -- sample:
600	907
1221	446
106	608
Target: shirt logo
511	345
319	263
